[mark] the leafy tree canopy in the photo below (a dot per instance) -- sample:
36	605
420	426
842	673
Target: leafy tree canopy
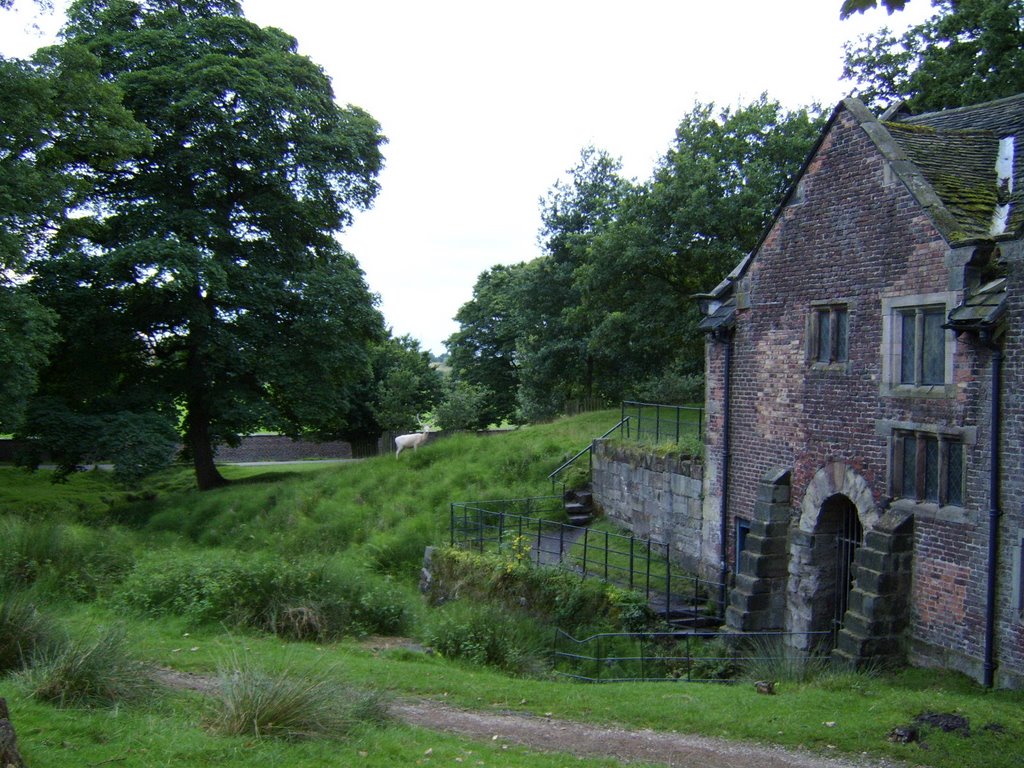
483	351
202	277
63	128
850	7
970	51
407	384
552	345
706	206
607	311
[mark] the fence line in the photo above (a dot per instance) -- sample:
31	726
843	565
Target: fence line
656	423
633	563
678	656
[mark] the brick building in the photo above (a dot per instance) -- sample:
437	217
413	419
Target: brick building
862	362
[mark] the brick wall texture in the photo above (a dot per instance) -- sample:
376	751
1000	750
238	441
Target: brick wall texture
859	237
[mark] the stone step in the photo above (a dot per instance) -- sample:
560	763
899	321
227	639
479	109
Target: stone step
698	621
578	508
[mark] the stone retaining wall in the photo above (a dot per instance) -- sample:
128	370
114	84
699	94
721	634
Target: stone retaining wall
252	448
656	497
281	448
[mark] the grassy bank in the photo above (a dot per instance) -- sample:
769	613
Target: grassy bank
297	568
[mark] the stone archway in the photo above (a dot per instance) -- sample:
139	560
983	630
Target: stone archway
838	501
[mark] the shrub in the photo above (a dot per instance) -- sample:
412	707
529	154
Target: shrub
24	631
382	610
486	634
551	595
82	673
463	406
714	660
308	600
677	384
289	704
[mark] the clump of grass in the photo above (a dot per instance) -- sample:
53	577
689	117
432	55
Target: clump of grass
100	672
768	658
289	704
25	631
67	560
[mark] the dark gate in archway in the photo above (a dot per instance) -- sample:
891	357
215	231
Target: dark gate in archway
849	537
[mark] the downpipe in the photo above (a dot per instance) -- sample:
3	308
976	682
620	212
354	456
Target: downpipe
994	512
723	574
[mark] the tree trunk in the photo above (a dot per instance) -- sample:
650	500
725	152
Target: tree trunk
198	435
9	755
197	399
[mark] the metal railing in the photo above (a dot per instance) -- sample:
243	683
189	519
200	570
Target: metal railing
681	656
656	423
627	561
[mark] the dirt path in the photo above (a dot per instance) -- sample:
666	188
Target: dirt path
549	735
546	734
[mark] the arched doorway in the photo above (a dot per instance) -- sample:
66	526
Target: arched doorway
835	511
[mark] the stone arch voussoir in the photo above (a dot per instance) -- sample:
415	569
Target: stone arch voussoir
832	479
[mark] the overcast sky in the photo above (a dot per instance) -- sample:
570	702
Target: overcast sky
486	104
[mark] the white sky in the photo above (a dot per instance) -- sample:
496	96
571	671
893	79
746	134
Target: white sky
486	104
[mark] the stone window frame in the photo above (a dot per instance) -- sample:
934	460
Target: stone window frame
837	359
964	437
893	310
1018	574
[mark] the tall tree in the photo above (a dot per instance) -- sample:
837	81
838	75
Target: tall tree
555	361
483	351
705	207
968	52
206	279
62	128
406	384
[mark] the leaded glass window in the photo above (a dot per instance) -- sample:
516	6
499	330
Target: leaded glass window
922	352
829	341
928	468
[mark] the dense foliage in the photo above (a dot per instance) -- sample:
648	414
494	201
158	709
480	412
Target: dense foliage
608	310
968	52
200	284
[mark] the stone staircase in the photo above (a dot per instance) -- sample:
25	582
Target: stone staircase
579	505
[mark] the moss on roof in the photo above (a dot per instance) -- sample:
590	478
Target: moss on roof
960	167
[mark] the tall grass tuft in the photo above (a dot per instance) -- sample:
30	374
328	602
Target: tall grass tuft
290	704
25	632
768	658
67	560
86	673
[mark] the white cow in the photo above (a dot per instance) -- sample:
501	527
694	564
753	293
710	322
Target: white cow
414	441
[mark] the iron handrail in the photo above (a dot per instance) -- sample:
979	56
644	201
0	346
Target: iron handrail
589	449
470	527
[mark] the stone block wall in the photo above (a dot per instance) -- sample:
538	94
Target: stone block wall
656	497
